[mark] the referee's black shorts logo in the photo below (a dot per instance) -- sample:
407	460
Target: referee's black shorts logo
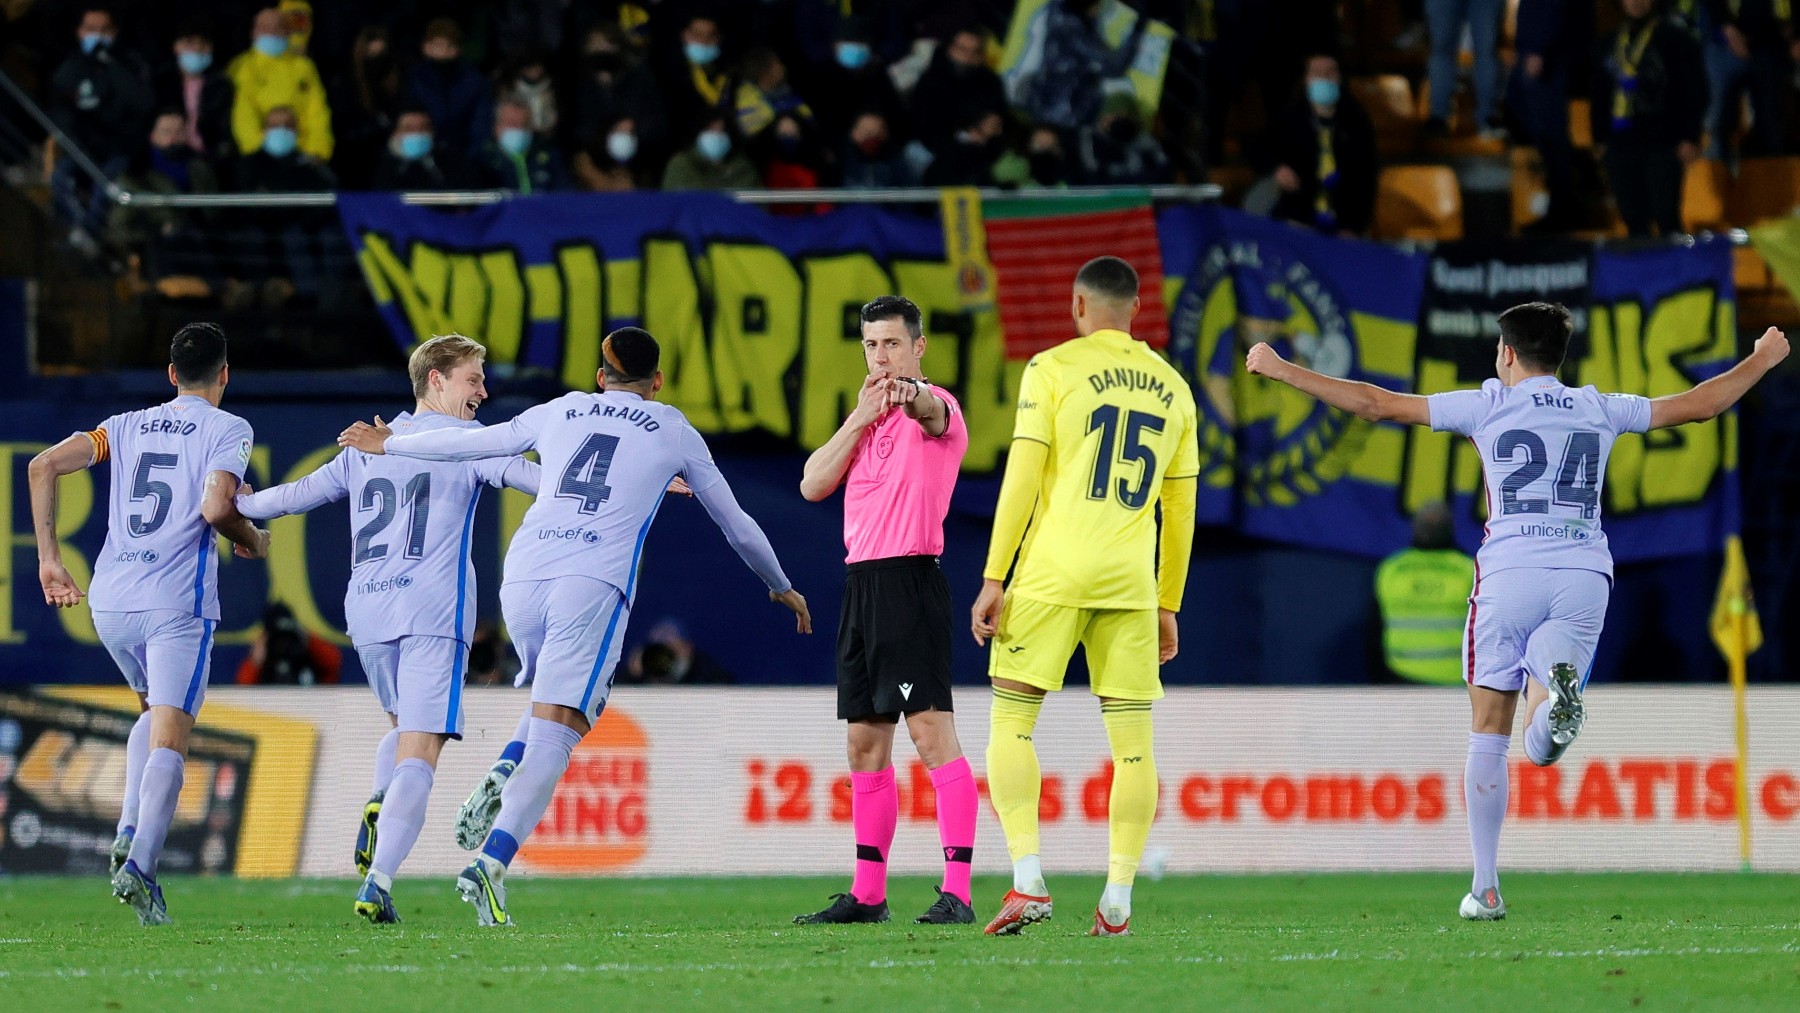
894	638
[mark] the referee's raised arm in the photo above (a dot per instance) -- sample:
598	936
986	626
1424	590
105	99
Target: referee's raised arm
826	467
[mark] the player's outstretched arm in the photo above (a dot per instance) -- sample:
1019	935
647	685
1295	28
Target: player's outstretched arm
1716	396
1364	400
44	474
826	466
328	484
218	507
508	440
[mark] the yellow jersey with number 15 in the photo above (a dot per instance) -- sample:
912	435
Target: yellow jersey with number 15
1118	419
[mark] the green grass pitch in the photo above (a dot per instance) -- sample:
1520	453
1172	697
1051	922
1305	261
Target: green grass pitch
1377	942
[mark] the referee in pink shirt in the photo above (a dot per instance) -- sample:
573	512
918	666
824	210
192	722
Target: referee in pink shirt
897	456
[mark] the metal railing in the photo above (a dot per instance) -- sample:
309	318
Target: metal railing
479	198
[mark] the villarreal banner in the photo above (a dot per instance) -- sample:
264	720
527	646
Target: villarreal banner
756	311
1279	465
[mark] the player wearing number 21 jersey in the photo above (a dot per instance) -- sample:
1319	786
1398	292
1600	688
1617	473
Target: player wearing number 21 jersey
410	604
1544	572
572	567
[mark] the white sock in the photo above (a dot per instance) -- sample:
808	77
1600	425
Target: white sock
1028	877
1115	904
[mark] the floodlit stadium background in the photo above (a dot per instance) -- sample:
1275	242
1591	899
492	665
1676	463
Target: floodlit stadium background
1286	743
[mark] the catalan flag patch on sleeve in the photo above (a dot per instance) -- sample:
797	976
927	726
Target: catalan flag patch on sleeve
102	446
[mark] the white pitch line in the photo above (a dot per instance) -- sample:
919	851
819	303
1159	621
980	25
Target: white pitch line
625	967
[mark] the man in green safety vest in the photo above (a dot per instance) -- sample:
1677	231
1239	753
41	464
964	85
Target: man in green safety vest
1424	596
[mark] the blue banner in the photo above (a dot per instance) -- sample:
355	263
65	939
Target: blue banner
1278	465
756	311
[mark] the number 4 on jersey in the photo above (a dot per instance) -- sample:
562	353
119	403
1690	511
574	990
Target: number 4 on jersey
585	477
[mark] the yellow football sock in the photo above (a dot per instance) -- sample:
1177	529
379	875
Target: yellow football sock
1014	779
1132	806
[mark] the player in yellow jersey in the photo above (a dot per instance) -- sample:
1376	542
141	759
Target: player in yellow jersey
1105	430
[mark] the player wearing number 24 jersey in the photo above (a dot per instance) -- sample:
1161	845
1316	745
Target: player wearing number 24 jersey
1544	572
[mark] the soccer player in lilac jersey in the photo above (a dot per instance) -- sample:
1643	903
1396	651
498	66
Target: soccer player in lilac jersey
409	559
571	570
155	592
1544	572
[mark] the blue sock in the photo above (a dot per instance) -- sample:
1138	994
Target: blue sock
500	847
515	750
527	793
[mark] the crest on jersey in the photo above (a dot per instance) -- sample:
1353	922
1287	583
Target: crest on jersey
244	452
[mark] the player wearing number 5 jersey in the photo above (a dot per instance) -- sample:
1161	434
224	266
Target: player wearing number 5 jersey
1103	435
410	605
571	570
1544	572
155	594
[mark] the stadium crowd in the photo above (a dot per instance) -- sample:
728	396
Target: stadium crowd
543	95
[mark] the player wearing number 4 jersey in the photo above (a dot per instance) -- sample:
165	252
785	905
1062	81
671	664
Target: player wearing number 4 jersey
572	567
155	594
1104	435
1543	574
410	606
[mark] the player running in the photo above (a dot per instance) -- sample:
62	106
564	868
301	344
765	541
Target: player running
1544	572
571	570
1105	431
897	456
155	593
410	606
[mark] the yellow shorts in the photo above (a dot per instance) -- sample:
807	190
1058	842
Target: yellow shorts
1037	639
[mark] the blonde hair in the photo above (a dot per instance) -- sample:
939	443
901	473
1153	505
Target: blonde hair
443	353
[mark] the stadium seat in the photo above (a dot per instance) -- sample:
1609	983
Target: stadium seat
1765	188
1527	184
1418	202
1703	191
1581	126
1389	101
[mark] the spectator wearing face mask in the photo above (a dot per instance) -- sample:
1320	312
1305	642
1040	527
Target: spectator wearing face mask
1117	151
777	124
713	162
957	89
270	75
172	241
450	90
197	85
291	251
871	159
414	160
819	28
1324	146
693	82
614	86
853	83
101	100
366	96
613	162
515	158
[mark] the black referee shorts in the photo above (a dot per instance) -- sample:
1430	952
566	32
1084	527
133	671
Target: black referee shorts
894	638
